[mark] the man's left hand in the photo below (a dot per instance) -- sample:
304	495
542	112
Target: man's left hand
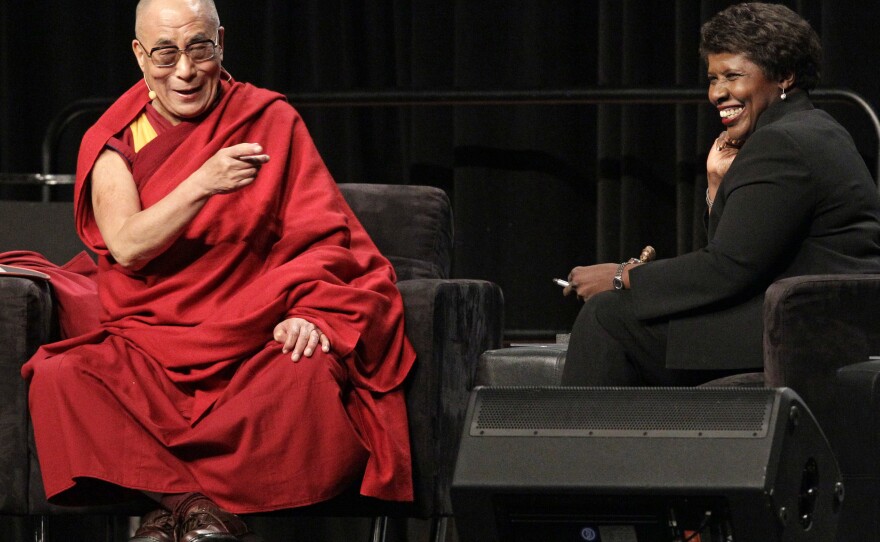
300	337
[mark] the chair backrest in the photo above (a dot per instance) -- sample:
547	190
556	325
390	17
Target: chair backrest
44	227
411	225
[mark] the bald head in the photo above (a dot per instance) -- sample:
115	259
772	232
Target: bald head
147	8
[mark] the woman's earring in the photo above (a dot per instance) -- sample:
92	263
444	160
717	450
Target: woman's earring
783	96
152	93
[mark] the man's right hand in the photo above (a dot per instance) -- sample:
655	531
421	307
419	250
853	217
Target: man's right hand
230	169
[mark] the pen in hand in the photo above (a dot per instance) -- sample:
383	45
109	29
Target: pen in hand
648	254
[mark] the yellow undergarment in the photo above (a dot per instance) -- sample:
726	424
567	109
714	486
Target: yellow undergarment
142	131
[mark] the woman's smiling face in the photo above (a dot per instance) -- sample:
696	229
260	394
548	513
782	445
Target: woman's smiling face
740	91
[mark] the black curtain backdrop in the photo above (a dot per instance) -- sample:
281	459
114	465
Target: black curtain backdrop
536	189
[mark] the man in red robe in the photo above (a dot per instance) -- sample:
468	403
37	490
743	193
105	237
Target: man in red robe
251	351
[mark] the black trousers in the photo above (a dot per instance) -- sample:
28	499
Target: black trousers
609	346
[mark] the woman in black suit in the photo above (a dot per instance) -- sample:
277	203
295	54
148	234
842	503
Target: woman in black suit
788	194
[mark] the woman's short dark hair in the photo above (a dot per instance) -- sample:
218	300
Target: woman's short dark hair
771	35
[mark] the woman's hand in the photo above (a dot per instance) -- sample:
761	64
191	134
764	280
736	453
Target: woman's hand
300	337
721	155
589	280
230	169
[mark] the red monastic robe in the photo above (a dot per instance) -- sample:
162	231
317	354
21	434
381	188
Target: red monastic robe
182	387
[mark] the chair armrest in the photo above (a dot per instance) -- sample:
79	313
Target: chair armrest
855	439
815	324
857	427
528	365
449	323
26	322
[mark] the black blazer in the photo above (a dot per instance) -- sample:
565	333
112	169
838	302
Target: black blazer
797	200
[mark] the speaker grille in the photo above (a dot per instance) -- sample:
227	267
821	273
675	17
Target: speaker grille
636	412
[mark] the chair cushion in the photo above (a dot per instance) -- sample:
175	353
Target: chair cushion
411	225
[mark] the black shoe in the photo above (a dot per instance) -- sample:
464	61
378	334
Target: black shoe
201	520
157	526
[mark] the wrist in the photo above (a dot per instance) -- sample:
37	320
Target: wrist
196	187
714	179
617	282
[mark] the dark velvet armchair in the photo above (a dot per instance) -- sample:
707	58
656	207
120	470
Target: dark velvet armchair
819	333
449	322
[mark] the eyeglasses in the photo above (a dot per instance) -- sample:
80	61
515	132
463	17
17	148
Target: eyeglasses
169	55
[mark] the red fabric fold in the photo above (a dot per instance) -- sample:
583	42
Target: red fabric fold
200	316
73	285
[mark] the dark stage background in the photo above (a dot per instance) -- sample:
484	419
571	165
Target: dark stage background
536	189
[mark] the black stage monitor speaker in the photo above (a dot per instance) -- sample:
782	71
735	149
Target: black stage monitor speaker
643	465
